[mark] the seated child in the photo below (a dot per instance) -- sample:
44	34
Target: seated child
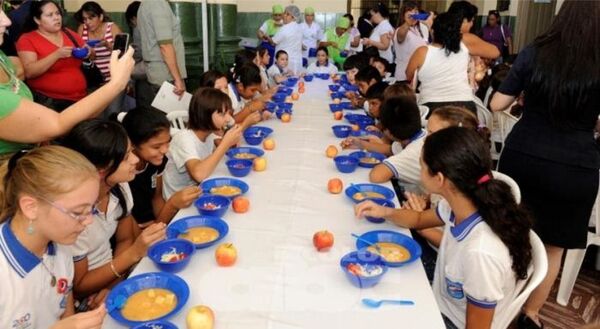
214	79
242	90
486	250
365	78
322	65
383	66
279	71
192	153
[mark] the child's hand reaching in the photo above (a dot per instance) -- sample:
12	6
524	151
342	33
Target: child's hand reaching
351	143
415	202
372	128
184	197
232	136
371	209
251	119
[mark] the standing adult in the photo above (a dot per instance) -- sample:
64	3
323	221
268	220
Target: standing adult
269	28
289	38
162	47
407	38
381	37
497	34
337	39
364	25
551	152
96	25
17	16
45	51
312	32
355	45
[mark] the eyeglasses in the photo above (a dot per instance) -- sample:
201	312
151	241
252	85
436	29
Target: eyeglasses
76	216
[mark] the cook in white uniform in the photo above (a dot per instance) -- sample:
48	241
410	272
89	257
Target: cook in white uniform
289	38
311	32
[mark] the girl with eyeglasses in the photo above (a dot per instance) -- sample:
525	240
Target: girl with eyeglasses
98	263
47	199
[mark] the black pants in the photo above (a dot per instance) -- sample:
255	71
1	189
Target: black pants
57	105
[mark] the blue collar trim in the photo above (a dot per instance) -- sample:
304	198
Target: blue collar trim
236	92
19	258
416	136
460	231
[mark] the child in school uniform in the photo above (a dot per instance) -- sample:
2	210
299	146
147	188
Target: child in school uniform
279	71
365	78
97	266
47	199
242	90
401	122
486	249
322	65
148	130
383	66
263	60
192	154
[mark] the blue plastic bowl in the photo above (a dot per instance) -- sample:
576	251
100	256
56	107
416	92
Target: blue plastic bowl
334	87
290	82
394	237
358	133
363	257
361	154
270	106
341	131
344	53
280	112
354	118
347	105
387	193
237	150
285	106
381	202
182	225
363	123
350	87
222	181
338	94
156	251
345	164
156	325
80	53
308	77
285	90
93	42
239	167
279	97
259	130
154	280
323	76
252	139
344	79
335	107
218	200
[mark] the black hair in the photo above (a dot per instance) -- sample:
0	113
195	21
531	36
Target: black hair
381	9
446	32
496	14
131	11
248	75
349	16
279	53
463	158
143	123
241	58
93	8
383	61
204	103
261	50
376	91
401	117
35	12
355	62
464	10
367	74
370	53
572	83
323	49
104	143
210	77
407	5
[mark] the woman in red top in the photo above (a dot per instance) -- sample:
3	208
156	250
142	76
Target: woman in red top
51	71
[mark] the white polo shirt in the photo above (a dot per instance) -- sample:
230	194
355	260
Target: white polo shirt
275	71
94	241
473	266
185	146
405	164
27	299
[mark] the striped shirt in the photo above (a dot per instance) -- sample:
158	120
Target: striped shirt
103	53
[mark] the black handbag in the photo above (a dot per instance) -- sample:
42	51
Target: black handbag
93	76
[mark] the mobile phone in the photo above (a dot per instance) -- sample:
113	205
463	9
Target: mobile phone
121	43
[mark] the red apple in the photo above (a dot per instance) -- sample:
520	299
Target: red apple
226	254
323	240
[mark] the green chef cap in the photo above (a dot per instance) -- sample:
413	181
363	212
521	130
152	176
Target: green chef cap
343	23
277	9
309	11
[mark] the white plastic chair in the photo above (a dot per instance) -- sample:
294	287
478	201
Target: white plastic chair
121	116
178	120
540	268
424	111
484	115
504	123
574	259
514	187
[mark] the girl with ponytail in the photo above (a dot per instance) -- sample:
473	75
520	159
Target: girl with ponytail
246	83
485	250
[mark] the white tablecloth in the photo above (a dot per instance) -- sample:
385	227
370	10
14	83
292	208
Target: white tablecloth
280	281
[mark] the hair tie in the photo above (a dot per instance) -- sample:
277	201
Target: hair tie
484	179
12	162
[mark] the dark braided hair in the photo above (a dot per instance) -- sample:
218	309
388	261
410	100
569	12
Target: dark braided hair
462	156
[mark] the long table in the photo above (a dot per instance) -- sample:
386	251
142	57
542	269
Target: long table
280	281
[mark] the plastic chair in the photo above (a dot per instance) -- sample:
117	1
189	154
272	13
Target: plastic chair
178	120
574	259
424	110
121	116
538	272
514	187
504	123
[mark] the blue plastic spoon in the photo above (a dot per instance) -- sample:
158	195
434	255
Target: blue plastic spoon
372	303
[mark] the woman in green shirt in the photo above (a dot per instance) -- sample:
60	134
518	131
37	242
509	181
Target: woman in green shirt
23	122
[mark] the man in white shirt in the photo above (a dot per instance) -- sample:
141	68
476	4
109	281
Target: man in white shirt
311	31
289	38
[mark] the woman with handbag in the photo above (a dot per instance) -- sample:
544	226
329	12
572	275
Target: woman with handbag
23	122
95	26
51	71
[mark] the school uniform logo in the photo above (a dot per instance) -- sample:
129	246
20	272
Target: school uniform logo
24	322
153	179
455	289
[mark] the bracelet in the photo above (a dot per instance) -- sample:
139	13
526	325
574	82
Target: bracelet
112	267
